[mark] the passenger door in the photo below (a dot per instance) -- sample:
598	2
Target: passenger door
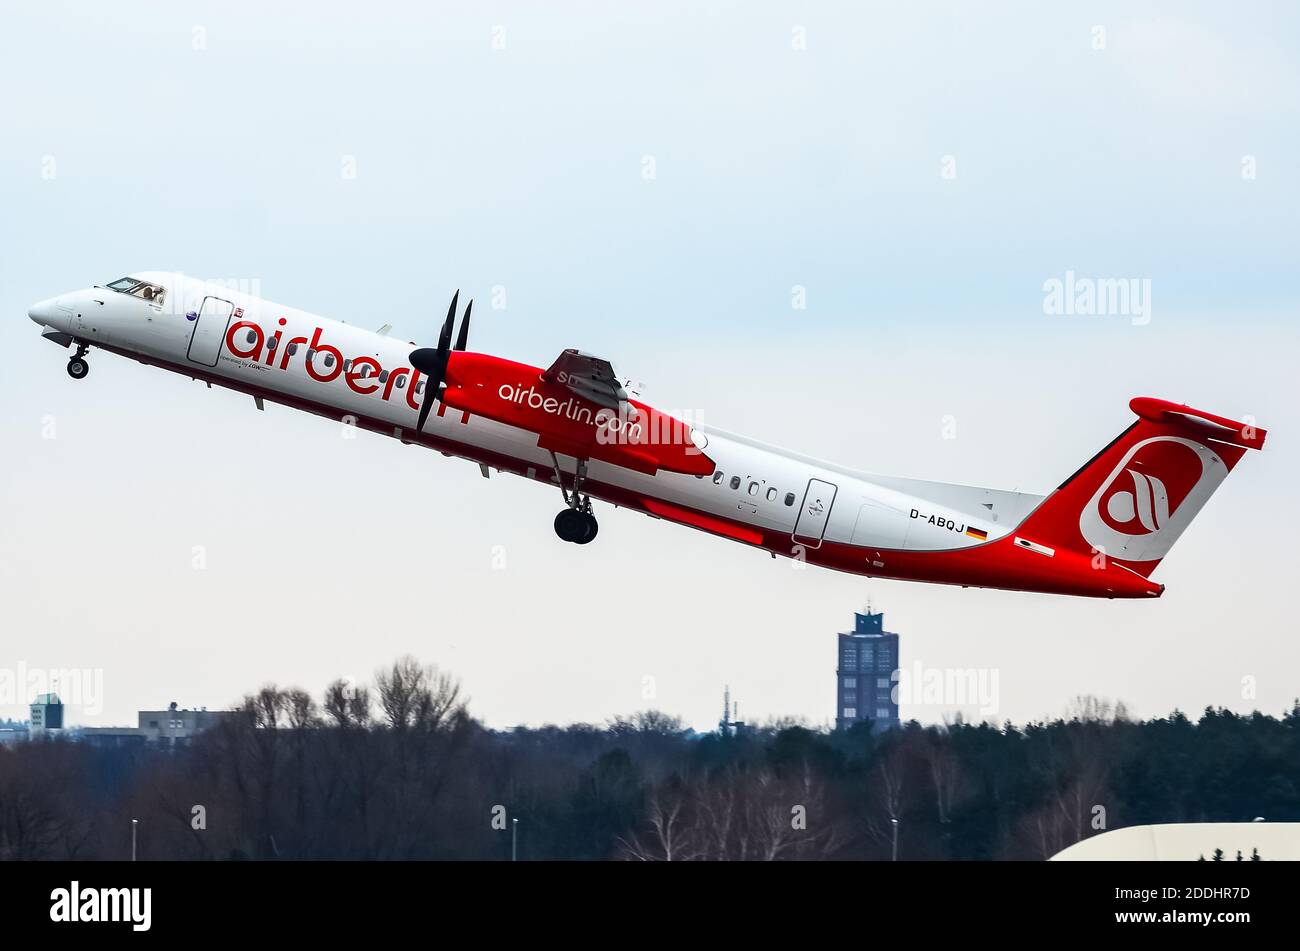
209	330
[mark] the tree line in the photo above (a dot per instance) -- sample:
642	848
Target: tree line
400	769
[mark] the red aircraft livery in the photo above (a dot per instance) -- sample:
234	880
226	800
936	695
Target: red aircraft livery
574	426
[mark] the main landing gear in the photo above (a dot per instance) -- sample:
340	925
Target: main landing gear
576	523
77	365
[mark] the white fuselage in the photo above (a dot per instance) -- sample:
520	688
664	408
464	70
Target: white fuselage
773	490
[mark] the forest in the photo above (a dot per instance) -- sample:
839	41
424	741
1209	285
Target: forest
401	769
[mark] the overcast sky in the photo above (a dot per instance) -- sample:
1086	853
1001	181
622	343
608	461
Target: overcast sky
648	182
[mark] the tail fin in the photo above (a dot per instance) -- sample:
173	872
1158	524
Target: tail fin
1133	499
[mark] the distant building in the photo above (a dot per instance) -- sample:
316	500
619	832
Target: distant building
47	713
864	679
174	723
170	727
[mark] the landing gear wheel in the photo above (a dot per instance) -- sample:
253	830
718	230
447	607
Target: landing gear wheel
78	368
589	528
576	523
571	526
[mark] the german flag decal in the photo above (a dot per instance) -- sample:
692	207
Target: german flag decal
979	533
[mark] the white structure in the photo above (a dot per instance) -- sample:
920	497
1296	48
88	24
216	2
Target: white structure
1189	842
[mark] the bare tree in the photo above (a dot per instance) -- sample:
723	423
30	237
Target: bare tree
346	705
33	822
744	813
412	695
946	777
666	837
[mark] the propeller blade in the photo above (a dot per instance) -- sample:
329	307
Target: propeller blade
444	339
425	405
463	338
433	362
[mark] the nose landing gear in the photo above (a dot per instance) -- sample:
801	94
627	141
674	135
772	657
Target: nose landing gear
77	365
576	523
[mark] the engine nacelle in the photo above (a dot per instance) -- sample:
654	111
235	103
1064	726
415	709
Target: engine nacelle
634	436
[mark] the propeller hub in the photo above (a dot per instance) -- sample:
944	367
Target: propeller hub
427	360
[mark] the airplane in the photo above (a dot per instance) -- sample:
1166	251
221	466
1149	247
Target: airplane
576	427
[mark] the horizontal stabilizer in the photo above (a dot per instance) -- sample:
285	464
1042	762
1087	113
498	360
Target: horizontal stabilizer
1246	435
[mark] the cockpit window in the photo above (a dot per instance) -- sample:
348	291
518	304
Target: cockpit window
150	292
142	289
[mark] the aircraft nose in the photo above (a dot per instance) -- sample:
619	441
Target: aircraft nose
44	312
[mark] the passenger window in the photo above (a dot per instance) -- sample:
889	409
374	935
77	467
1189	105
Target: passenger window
251	337
771	494
401	381
293	348
718	477
753	488
383	376
789	498
735	482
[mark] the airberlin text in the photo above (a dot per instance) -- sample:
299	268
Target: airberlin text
323	363
611	427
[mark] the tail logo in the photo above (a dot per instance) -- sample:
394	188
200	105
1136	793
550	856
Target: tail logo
1150	497
1148	501
1148	491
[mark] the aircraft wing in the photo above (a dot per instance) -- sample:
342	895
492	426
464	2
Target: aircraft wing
590	377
